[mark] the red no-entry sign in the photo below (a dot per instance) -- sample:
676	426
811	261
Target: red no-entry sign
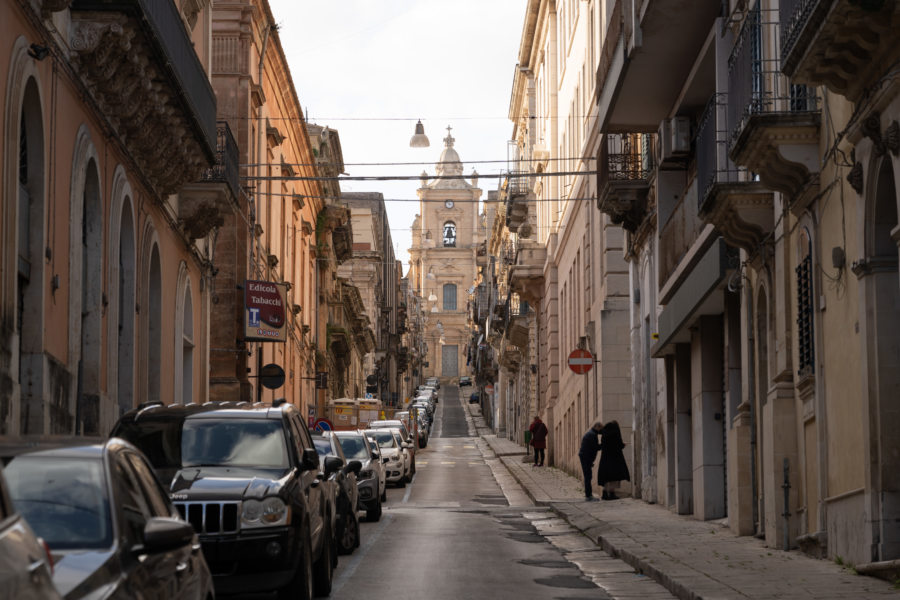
581	361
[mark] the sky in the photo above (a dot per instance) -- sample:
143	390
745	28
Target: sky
371	68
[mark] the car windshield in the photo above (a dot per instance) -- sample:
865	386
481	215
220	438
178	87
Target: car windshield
233	443
354	447
63	499
323	446
385	439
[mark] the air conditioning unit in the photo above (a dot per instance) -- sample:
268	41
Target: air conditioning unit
674	140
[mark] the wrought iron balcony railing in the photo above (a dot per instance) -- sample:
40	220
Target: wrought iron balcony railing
227	166
755	82
714	166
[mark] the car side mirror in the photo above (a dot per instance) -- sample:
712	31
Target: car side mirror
354	466
333	464
309	459
166	533
406	445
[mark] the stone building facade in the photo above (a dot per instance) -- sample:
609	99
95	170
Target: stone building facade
445	239
285	227
373	269
752	161
565	258
108	235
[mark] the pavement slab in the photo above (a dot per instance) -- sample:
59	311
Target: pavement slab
691	559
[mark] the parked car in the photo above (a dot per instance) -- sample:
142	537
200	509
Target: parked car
394	464
464	381
247	477
372	484
26	567
433	382
474	398
94	505
341	478
404	434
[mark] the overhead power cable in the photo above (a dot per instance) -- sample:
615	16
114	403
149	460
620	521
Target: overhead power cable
424	162
407	177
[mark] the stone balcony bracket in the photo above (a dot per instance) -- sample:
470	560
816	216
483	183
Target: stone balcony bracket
625	201
526	277
743	213
517	332
134	88
842	44
782	148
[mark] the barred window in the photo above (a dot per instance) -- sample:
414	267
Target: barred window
806	350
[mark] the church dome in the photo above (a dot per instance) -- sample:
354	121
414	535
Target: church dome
449	163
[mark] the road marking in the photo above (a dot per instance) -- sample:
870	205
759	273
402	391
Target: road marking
408	490
448	462
360	553
470	447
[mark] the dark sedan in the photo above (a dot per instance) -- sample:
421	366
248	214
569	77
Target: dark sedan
341	475
111	529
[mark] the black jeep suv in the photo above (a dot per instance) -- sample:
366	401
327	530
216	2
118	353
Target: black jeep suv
247	477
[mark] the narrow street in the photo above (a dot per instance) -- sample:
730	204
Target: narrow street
454	533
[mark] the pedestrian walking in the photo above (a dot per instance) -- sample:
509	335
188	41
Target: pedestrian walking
612	469
538	440
590	445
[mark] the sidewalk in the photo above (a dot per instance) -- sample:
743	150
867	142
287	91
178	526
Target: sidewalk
692	559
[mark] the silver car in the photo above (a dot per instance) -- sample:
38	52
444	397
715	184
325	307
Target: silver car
26	569
394	464
405	435
371	480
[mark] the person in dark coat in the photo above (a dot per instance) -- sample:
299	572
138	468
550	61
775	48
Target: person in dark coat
612	467
538	440
590	445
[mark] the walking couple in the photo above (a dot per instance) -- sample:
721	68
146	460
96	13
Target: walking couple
612	468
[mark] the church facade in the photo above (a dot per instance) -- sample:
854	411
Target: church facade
445	236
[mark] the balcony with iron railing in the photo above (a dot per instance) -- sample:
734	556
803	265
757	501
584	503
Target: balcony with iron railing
226	169
841	44
624	168
730	197
517	192
774	123
517	320
146	41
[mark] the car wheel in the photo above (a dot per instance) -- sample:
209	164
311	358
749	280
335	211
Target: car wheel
323	569
384	494
349	537
301	586
373	514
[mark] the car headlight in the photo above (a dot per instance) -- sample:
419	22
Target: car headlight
268	513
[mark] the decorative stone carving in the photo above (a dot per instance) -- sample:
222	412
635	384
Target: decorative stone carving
892	138
842	44
871	128
855	177
132	89
204	219
742	212
782	148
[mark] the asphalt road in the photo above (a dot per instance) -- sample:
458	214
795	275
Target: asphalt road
451	534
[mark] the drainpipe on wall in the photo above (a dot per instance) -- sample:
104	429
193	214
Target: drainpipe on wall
260	142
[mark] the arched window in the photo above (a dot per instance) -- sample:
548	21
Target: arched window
154	326
449	296
125	282
449	234
187	357
29	265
